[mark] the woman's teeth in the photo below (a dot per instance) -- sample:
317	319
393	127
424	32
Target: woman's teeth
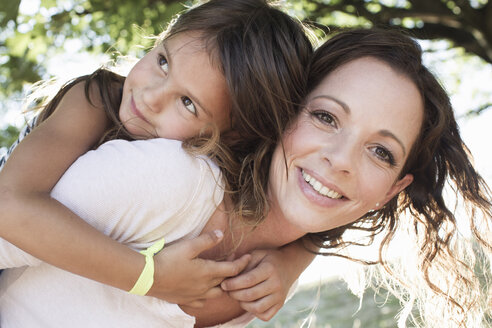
322	190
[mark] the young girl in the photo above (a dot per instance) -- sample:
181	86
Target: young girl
234	66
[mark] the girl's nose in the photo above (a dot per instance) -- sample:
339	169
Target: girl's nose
155	97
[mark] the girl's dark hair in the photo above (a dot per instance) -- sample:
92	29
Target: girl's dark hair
263	53
109	86
438	156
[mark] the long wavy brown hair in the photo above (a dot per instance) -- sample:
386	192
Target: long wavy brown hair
263	53
437	158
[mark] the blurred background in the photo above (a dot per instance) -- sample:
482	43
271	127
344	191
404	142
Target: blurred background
42	39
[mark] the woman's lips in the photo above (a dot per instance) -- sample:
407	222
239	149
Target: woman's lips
313	195
320	187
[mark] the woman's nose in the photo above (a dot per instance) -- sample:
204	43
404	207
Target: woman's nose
341	155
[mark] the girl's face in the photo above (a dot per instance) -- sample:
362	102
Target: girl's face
174	91
346	150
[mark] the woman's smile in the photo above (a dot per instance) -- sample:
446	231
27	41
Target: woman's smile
316	191
319	187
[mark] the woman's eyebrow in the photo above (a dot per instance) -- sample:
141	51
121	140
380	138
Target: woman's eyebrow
387	133
344	106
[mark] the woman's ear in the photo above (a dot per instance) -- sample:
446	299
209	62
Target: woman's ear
397	187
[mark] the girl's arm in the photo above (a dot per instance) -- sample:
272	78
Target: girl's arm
33	221
43	227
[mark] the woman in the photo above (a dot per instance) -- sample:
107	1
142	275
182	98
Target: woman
448	287
375	136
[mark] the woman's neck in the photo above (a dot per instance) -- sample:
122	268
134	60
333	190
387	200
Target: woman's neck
274	231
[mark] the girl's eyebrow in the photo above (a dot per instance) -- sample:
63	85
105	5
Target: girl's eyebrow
169	59
196	101
168	54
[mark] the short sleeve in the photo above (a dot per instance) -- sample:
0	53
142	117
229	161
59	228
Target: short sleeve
13	257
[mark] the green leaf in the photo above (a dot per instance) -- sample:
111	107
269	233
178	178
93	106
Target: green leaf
8	136
8	11
48	3
18	44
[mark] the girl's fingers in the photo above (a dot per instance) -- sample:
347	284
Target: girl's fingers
247	279
252	294
261	306
270	313
228	268
213	293
203	242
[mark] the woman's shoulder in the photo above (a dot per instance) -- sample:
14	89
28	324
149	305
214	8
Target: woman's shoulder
124	183
167	151
159	158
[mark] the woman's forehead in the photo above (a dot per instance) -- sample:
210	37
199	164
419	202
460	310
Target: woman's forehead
375	95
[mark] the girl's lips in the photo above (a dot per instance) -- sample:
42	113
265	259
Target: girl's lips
315	197
135	111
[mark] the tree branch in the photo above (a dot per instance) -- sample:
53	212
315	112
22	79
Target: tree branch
464	29
477	111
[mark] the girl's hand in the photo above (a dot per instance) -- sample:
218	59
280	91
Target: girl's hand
263	286
265	283
183	278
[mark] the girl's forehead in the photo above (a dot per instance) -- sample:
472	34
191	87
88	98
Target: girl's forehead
193	41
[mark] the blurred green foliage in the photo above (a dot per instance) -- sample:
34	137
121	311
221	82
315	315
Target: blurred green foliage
334	307
28	39
8	135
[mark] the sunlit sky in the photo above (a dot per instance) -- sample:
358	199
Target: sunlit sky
470	86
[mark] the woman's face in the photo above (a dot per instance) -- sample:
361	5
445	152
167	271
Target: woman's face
346	150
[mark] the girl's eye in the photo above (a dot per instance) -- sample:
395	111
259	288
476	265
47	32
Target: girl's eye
189	105
325	117
162	61
385	155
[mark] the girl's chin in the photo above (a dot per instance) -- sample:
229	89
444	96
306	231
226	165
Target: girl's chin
136	132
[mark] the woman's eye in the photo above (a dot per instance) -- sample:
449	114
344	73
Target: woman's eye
325	117
162	61
385	155
189	105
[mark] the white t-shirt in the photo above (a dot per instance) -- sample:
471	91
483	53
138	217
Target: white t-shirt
135	192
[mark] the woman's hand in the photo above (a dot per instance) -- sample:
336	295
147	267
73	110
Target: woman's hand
264	285
183	278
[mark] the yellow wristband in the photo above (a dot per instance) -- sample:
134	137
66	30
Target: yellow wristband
146	279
